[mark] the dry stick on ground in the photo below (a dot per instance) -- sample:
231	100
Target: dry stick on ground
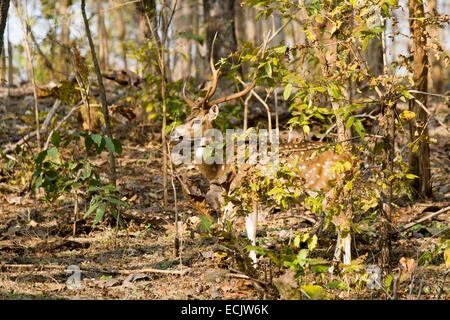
44	127
26	30
427	217
124	272
112	158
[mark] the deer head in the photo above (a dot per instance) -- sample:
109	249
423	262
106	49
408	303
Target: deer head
204	110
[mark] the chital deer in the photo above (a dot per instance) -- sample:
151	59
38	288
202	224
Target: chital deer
314	167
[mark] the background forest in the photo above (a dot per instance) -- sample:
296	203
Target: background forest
91	92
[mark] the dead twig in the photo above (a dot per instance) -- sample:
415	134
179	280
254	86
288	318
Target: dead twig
427	217
122	272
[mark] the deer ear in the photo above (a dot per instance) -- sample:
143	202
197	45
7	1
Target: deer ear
213	112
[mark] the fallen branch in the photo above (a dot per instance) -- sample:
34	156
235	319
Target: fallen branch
427	217
152	270
243	276
44	127
122	272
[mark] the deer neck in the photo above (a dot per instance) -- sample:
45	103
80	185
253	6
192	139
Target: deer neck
212	172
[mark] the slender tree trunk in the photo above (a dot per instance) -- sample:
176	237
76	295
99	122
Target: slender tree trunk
199	62
387	208
102	37
22	12
3	68
436	74
4	7
122	37
374	56
420	160
112	158
10	63
65	40
182	22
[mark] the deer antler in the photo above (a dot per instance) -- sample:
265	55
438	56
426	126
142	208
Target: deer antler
190	103
215	76
213	87
234	95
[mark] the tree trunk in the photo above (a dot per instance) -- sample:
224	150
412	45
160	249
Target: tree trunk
122	37
182	23
102	37
10	64
65	40
387	209
420	160
219	18
4	7
436	76
374	56
112	158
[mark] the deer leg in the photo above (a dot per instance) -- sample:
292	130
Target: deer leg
343	244
338	250
251	223
346	246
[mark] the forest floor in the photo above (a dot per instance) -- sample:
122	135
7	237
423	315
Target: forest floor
38	249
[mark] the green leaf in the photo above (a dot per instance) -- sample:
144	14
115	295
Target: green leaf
94	205
280	49
349	122
100	213
53	153
306	129
86	172
411	176
335	91
56	138
301	257
313	292
337	284
205	223
268	69
40	158
287	91
117	201
393	3
359	128
388	282
312	244
97	139
110	145
117	146
38	182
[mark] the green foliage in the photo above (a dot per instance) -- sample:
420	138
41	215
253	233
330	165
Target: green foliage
60	177
436	254
104	198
